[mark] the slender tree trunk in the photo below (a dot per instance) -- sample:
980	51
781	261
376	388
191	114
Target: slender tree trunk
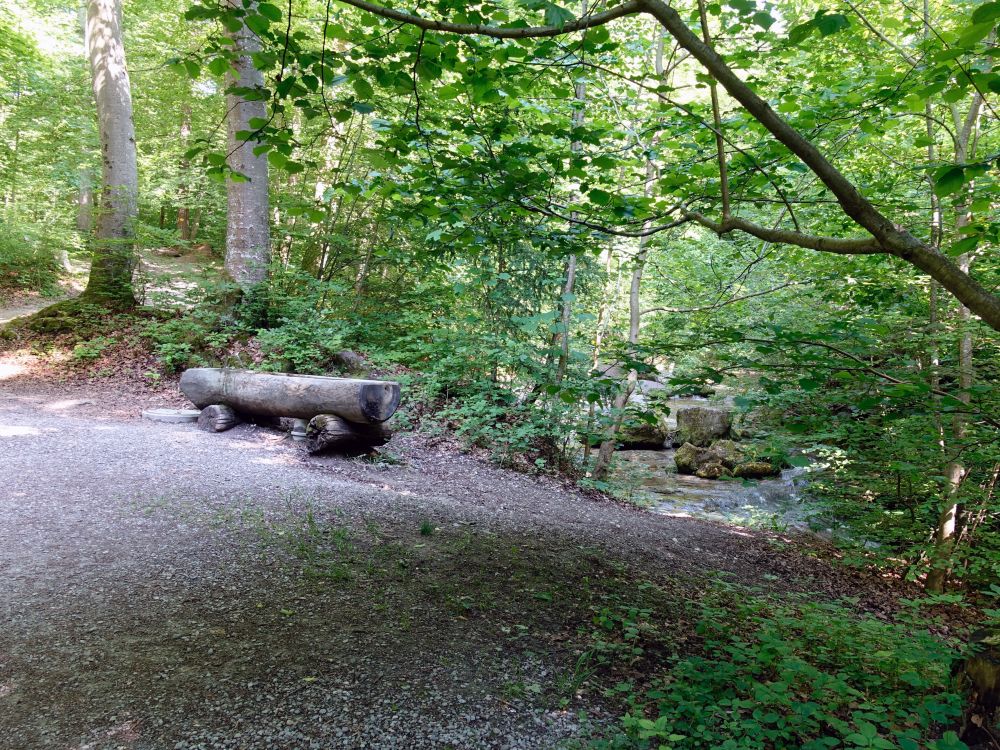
607	449
85	202
603	320
621	400
183	210
248	248
580	95
956	471
195	225
113	244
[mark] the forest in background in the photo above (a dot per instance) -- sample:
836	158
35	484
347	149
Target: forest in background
521	228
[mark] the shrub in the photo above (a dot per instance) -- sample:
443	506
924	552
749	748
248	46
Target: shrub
27	261
797	675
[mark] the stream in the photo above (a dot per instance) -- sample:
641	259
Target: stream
650	477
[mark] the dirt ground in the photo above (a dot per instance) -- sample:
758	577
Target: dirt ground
169	588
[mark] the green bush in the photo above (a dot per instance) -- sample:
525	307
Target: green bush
27	260
797	675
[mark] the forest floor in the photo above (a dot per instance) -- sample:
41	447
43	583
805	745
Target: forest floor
162	281
169	588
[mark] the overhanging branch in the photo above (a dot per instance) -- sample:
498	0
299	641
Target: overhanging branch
500	32
849	246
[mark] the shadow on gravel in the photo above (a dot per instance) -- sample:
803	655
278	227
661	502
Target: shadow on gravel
312	631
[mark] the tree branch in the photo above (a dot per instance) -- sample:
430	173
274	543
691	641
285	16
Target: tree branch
631	7
891	239
848	246
601	227
730	301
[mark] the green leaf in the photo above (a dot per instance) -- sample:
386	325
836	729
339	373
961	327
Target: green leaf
798	33
948	179
986	13
270	12
556	16
763	19
285	85
362	88
218	66
965	245
258	24
232	23
975	34
193	69
831	23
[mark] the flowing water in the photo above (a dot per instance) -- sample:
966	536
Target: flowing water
650	476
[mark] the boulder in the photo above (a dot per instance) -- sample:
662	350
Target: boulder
701	426
642	435
349	361
690	458
756	470
649	386
712	471
729	452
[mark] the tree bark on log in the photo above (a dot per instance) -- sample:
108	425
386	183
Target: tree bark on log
328	433
218	418
283	395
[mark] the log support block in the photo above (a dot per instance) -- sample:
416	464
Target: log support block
328	433
218	418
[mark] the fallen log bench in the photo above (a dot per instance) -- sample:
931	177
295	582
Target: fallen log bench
345	414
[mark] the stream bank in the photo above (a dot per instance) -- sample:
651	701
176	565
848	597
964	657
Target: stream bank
650	478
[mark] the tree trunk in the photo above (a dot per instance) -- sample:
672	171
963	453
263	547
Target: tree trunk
183	211
113	244
247	238
195	225
603	321
580	95
955	471
607	449
85	202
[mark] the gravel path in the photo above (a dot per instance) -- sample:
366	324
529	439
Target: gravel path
168	588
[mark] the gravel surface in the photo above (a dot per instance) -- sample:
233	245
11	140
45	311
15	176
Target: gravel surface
169	588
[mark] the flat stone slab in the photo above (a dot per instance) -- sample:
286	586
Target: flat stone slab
171	416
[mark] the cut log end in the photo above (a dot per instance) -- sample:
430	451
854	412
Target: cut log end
328	433
218	418
379	400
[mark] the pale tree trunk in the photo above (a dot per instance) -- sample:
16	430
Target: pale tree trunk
183	210
113	244
195	224
247	238
956	471
603	320
85	202
608	446
580	95
603	463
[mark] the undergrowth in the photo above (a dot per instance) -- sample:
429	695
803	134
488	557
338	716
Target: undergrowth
770	675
